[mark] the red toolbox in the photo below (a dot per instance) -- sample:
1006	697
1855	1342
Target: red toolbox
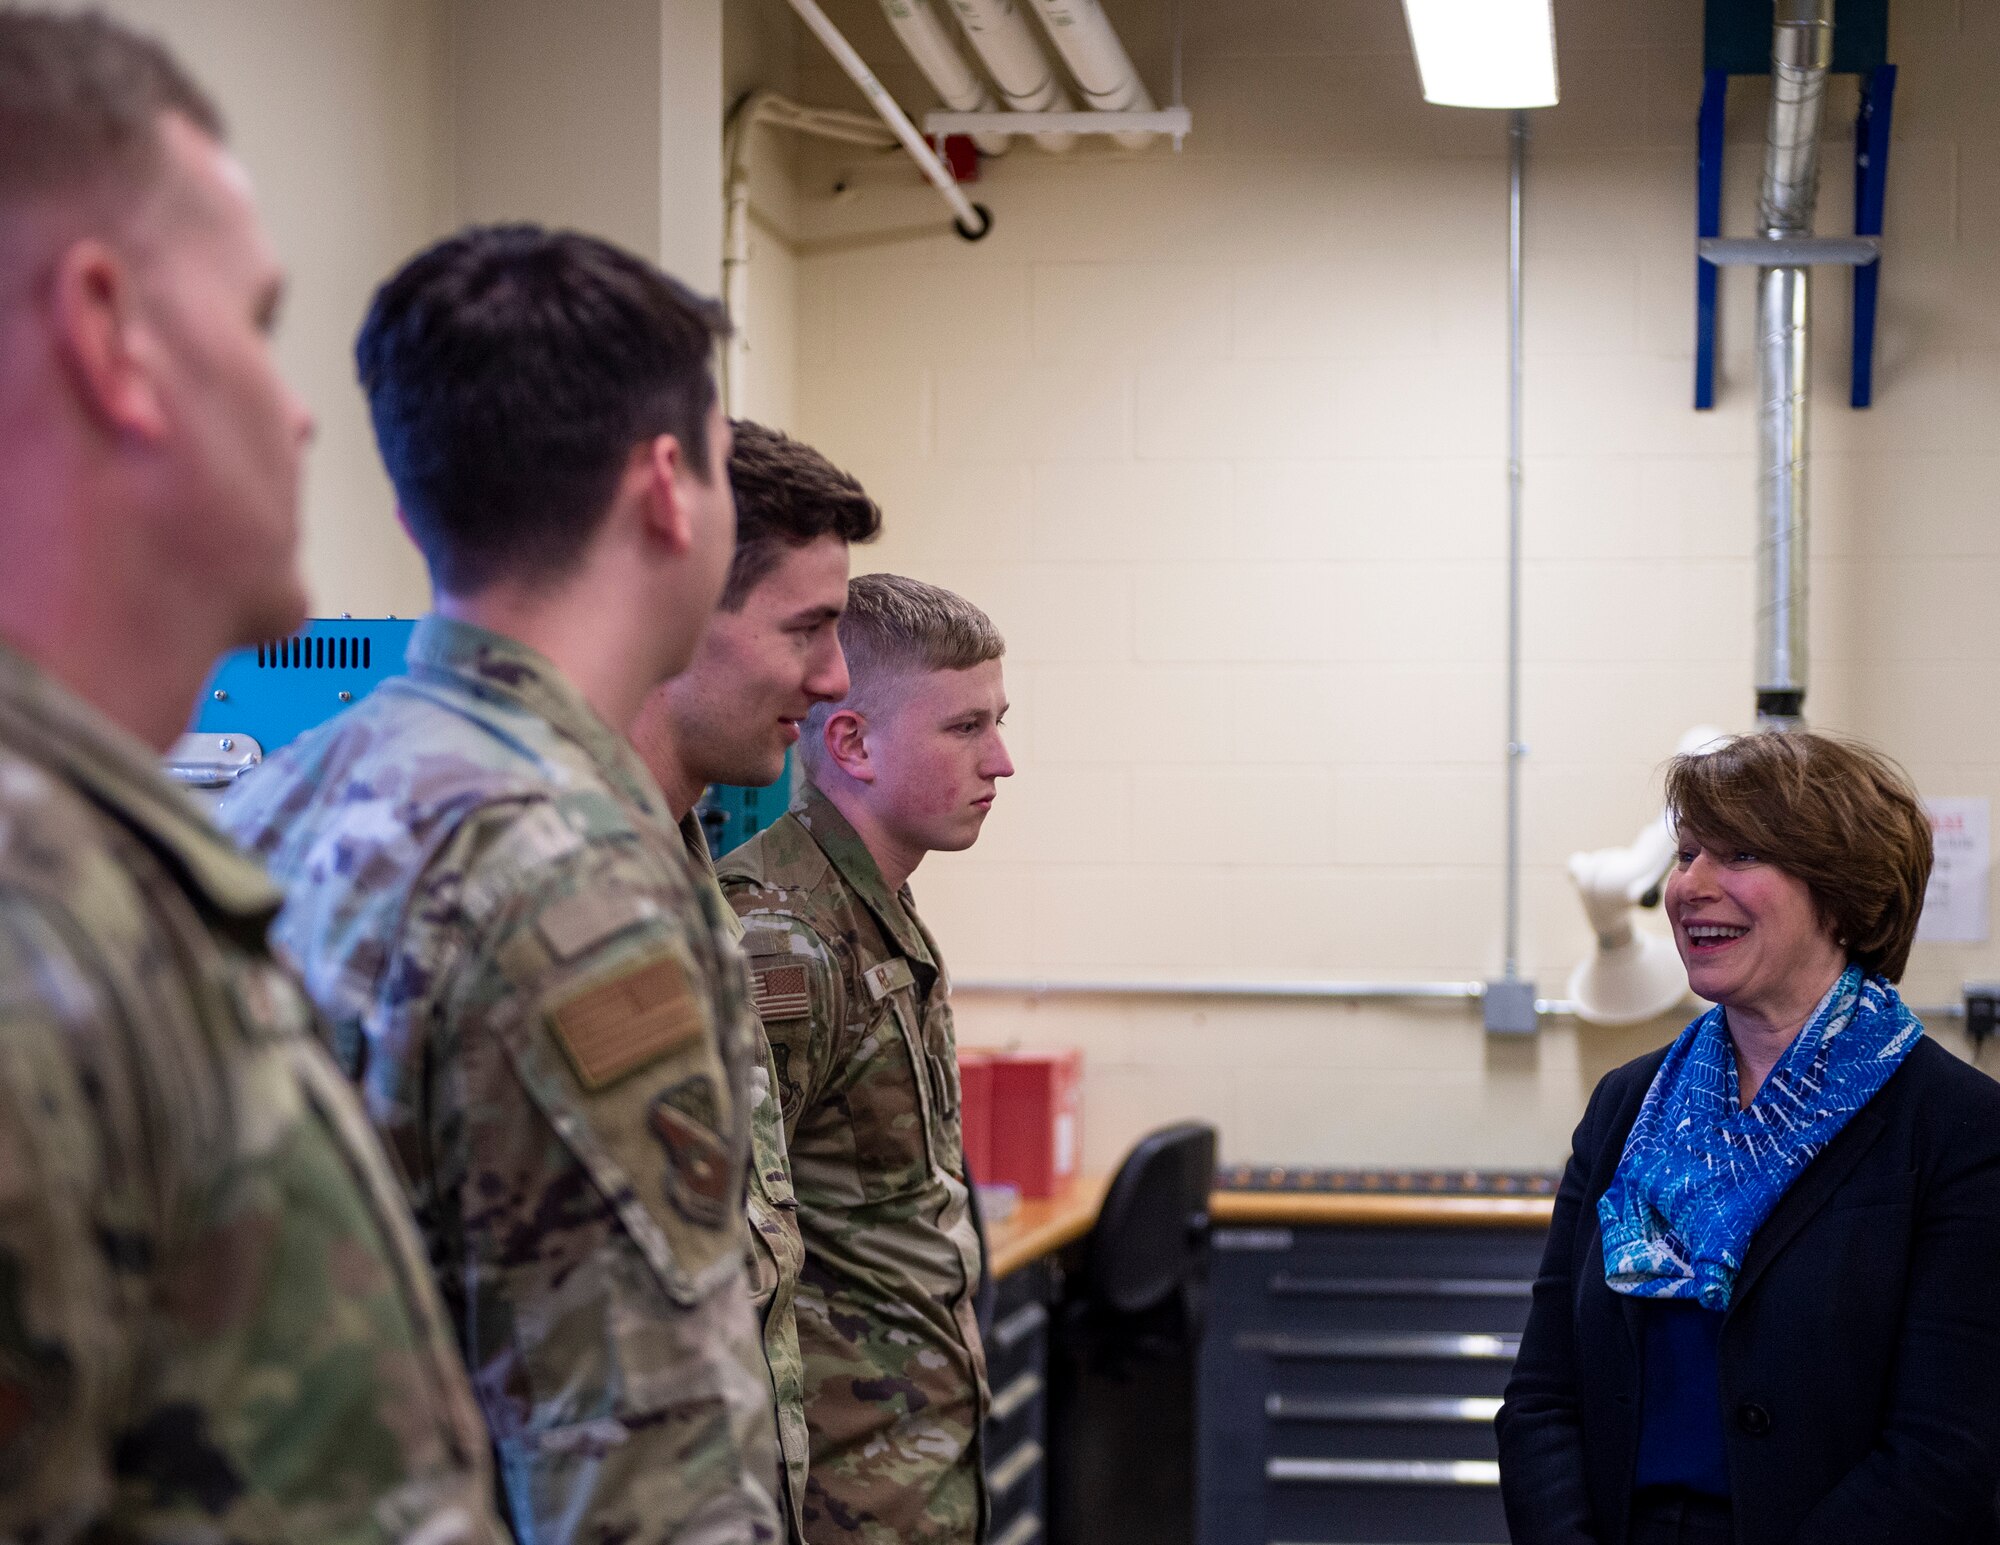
1035	1135
975	1107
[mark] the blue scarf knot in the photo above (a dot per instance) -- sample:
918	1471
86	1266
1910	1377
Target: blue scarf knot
1699	1175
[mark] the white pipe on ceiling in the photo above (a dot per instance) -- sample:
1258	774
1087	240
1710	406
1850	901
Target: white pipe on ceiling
766	107
930	47
1005	40
970	221
1089	45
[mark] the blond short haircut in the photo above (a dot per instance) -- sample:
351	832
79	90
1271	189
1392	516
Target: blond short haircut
894	628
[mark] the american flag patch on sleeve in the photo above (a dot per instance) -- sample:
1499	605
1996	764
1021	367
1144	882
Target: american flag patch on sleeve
778	991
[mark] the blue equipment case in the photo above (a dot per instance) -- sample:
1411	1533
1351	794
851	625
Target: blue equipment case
265	698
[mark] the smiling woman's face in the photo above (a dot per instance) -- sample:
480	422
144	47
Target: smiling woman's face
1748	931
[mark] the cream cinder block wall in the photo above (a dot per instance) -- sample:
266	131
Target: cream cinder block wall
338	112
372	127
1218	439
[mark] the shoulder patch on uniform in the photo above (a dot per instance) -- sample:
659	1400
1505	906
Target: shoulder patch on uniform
778	988
765	941
616	1027
890	976
577	922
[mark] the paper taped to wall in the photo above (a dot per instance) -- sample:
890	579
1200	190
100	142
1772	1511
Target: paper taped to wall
1955	902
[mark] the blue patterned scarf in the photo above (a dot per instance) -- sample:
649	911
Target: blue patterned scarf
1699	1176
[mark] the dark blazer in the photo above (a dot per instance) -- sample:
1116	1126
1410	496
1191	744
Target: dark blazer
1860	1354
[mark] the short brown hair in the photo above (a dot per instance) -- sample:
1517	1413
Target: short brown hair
81	99
509	371
1833	813
896	626
787	495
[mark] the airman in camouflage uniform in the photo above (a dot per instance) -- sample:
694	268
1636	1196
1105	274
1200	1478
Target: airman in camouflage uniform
216	1323
777	1253
490	898
548	1021
856	1003
854	997
770	652
215	1320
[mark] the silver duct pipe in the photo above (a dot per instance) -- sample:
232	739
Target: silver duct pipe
1801	54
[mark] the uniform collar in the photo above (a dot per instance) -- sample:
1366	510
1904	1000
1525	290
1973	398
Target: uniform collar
505	670
701	866
848	854
47	723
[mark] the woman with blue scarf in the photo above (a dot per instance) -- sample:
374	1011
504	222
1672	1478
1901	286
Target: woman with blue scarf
1769	1310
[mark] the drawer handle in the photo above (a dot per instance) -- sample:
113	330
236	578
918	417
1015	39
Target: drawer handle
1385	1472
1017	1394
1024	1530
1020	1462
1285	1285
1425	1348
1380	1408
1019	1326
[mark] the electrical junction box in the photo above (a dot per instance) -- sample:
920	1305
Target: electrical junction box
260	700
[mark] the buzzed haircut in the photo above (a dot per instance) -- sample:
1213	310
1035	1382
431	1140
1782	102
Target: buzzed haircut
81	99
896	627
510	371
787	495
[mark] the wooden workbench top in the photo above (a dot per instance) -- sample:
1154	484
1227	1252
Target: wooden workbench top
1038	1228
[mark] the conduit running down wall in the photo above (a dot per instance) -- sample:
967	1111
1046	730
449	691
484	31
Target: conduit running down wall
1801	55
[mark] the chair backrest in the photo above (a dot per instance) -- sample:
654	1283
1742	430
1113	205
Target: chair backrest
1149	1236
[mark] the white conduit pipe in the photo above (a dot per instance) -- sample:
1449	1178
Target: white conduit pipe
1003	37
929	45
765	107
969	219
1089	45
1351	992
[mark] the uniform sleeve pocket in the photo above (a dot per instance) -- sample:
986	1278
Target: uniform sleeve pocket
623	1068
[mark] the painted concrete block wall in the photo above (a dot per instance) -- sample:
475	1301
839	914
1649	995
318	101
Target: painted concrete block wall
1218	439
341	113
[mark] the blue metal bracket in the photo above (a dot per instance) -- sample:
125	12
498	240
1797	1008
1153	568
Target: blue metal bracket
1871	181
1708	173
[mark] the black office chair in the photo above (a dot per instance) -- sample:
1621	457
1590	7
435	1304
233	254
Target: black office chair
1122	1384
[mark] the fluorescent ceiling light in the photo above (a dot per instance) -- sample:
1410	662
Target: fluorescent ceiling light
1485	53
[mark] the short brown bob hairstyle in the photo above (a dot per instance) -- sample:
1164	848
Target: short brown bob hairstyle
1835	814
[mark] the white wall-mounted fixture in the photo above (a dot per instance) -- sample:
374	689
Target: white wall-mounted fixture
1632	975
1485	53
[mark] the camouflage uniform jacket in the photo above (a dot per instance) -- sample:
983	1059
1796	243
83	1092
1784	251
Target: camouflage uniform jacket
216	1323
777	1253
548	1021
856	1003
